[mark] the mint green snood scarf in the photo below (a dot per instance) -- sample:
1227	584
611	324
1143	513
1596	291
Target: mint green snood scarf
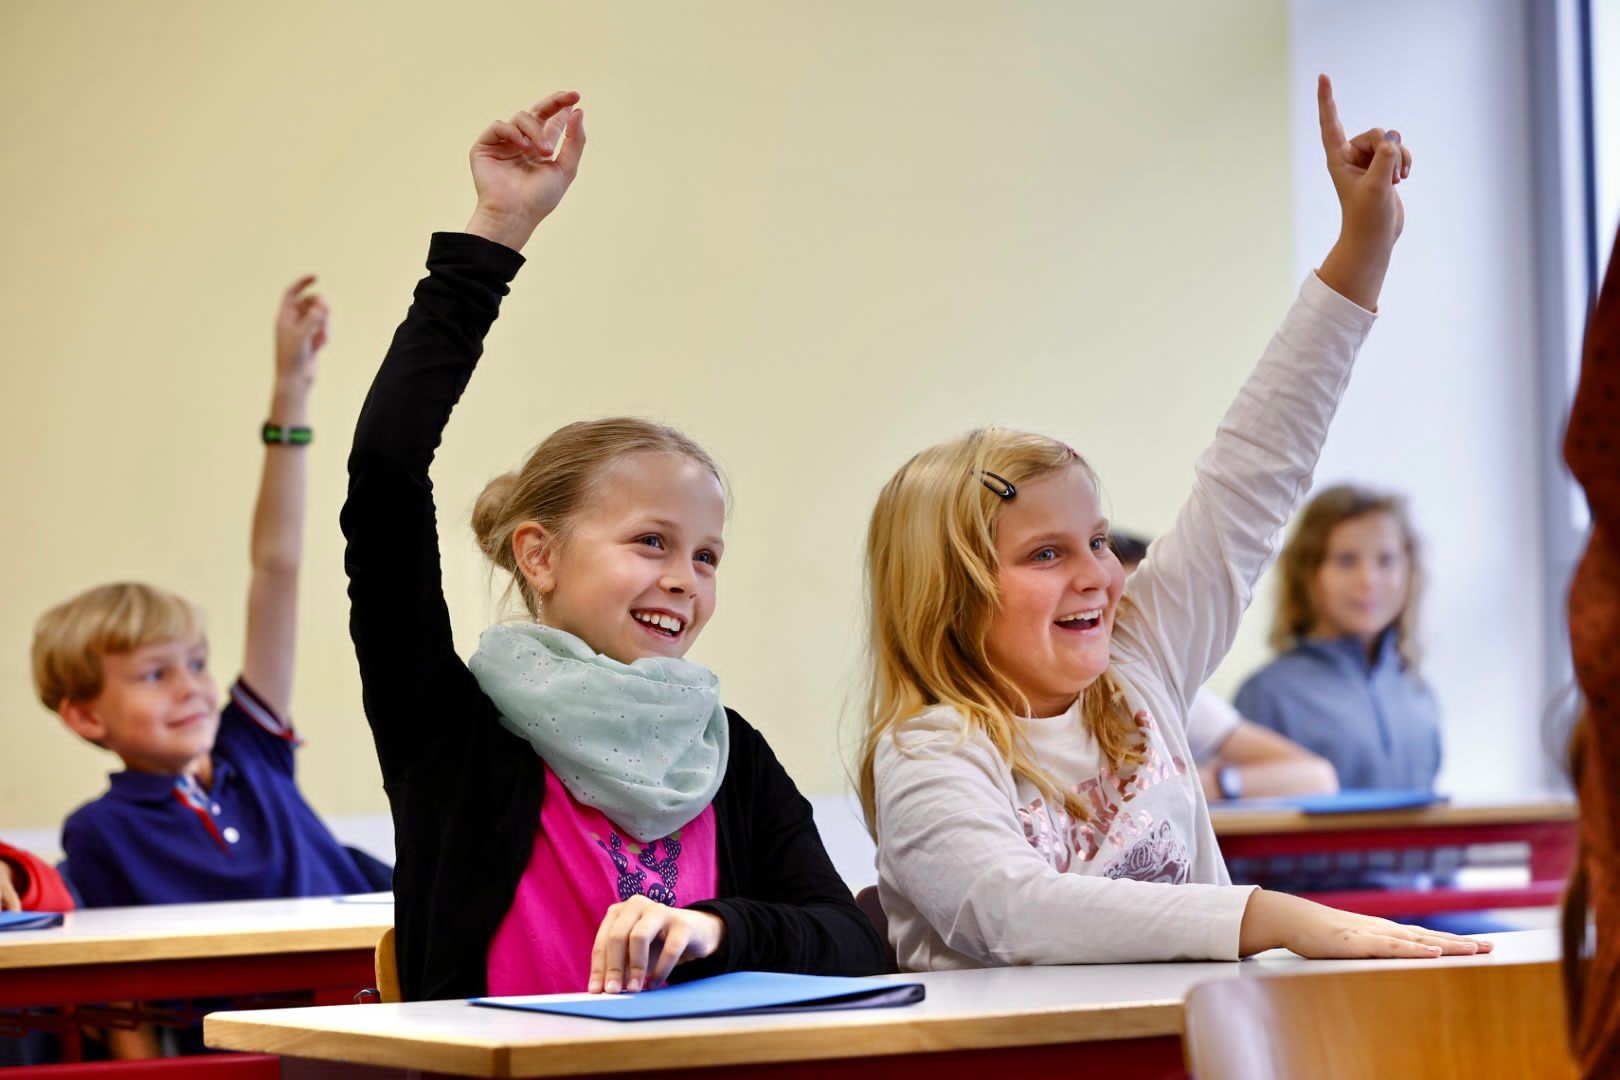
645	743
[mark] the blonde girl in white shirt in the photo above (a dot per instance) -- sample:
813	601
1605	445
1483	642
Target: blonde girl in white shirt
1026	771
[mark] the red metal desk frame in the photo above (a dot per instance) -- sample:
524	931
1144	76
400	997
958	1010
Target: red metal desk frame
1551	843
333	976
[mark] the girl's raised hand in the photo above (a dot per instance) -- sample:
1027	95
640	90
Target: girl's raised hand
522	167
640	941
1365	172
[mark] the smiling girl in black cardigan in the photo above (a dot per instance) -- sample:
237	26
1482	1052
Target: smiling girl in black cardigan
578	773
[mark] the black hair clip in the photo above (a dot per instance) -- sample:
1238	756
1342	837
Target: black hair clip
1005	491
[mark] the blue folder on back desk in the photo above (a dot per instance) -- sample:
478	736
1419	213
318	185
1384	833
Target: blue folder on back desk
1348	801
29	920
737	993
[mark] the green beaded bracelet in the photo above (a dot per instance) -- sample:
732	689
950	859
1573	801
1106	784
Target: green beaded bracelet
286	436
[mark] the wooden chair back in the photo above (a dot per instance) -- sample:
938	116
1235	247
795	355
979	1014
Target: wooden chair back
386	967
1435	1022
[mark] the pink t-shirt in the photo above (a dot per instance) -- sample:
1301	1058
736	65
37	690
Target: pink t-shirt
582	865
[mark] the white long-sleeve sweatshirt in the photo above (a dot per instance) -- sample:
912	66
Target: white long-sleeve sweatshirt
974	869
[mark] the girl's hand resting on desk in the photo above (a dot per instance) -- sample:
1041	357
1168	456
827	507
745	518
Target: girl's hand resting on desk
640	942
522	168
1317	932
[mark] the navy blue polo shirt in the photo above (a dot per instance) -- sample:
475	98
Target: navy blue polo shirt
1376	722
155	839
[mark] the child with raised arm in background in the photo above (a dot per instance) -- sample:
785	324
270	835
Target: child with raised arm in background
207	806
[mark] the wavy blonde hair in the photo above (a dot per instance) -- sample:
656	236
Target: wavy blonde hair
1306	550
931	571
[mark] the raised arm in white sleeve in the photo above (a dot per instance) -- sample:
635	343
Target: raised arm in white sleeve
1189	594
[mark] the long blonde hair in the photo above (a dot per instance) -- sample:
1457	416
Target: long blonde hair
557	478
931	593
1306	549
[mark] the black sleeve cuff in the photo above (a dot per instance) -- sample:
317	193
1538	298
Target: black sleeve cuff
736	944
473	254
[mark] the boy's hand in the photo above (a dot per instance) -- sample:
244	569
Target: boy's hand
300	333
1365	171
522	168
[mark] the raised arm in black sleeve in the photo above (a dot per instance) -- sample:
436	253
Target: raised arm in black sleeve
465	793
397	616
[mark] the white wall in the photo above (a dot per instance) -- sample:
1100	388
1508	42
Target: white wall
816	237
1443	405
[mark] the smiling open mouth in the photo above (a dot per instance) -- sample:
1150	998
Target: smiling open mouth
660	622
1081	620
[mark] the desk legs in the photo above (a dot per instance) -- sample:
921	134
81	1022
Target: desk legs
1552	852
332	977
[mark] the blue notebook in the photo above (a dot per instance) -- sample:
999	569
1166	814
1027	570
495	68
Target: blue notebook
1348	801
737	993
1360	801
29	920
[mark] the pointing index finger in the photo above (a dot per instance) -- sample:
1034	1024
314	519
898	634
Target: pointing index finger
554	103
304	281
1328	114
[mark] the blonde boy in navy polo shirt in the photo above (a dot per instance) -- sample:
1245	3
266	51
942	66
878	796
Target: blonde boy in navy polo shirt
206	807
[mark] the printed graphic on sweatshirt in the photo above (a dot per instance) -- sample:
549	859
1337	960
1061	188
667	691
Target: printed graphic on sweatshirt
660	858
1159	856
1149	849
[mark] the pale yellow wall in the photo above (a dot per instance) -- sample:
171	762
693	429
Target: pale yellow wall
817	237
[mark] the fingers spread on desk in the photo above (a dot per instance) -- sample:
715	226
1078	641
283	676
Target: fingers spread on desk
625	941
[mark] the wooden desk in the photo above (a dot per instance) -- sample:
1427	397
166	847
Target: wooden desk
1125	1018
168	951
194	950
1547	825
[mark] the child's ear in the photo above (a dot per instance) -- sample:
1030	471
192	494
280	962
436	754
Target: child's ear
82	721
534	550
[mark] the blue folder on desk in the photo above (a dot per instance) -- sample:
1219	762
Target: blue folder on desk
1348	801
737	993
1361	801
29	920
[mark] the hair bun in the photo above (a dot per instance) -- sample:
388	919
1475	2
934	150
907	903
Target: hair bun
489	522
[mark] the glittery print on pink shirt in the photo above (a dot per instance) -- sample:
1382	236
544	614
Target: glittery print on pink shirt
581	866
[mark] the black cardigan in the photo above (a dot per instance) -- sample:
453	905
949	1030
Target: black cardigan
465	792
